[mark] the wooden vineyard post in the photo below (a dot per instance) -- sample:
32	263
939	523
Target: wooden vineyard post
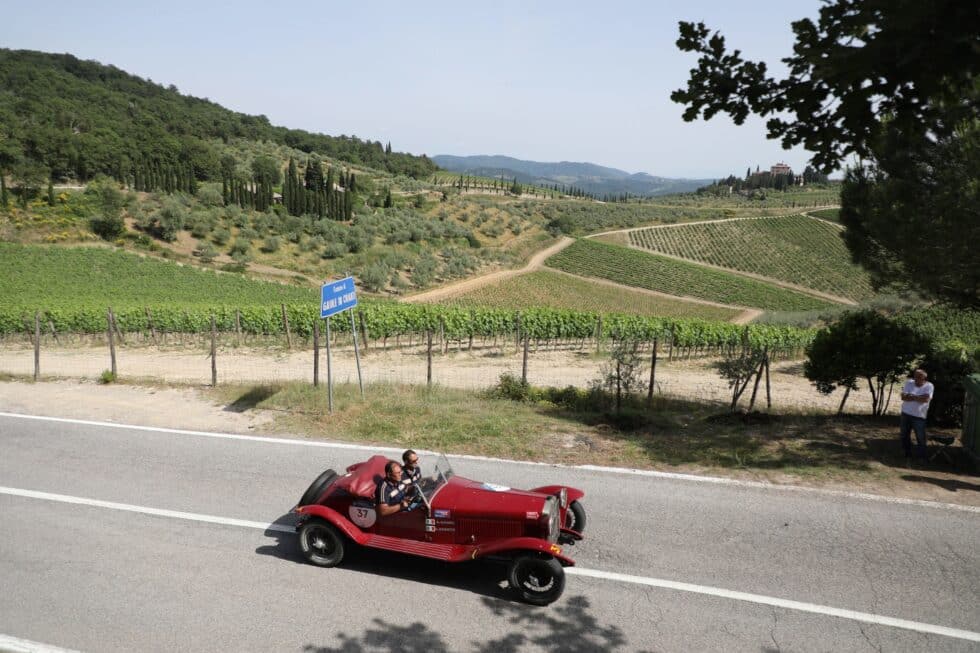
768	394
517	331
653	373
37	345
238	326
364	338
428	358
115	325
598	333
54	334
524	364
112	344
619	388
755	386
472	329
316	353
149	323
357	353
285	326
214	349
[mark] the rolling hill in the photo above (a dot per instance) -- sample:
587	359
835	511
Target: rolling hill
592	178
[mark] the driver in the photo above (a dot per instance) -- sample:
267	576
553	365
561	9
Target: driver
390	496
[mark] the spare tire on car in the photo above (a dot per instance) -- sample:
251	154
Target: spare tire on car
317	487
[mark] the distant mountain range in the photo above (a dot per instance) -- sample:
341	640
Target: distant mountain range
590	177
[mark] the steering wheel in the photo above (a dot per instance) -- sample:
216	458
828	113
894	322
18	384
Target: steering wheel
416	497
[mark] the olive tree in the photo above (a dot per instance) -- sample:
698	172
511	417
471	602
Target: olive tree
863	345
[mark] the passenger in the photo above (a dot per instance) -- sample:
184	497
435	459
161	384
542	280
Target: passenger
390	495
411	473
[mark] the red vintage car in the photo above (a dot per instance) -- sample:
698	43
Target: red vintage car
451	519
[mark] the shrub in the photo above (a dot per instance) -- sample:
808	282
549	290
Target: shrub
947	367
166	222
220	236
107	228
271	244
107	377
207	253
239	251
375	276
512	387
335	249
210	195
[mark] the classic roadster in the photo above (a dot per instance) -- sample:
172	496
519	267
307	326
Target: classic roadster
451	519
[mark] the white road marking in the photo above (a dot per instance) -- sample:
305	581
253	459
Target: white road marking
574	571
799	606
158	512
718	480
10	644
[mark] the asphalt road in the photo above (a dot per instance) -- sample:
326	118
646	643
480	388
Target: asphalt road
668	564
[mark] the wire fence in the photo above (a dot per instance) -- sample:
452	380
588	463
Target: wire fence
186	358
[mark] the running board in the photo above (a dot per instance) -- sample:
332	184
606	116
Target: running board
444	552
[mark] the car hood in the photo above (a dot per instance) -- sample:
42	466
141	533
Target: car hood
488	500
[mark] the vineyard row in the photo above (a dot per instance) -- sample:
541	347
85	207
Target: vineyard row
380	321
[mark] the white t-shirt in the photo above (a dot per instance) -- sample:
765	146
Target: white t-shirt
914	408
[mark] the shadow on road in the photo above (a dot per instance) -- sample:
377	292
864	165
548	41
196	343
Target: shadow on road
567	626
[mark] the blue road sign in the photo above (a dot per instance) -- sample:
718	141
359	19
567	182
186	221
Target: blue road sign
337	296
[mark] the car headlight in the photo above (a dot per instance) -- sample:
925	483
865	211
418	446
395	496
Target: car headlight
552	514
553	525
563	498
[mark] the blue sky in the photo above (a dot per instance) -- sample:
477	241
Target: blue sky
546	81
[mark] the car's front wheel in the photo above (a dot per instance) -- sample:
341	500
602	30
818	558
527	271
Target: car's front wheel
537	580
321	543
575	517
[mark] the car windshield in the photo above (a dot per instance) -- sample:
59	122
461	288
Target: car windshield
435	474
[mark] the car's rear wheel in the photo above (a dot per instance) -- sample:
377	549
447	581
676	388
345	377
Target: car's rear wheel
316	487
537	580
321	543
575	517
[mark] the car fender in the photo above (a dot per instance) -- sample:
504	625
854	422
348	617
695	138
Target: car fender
522	544
333	517
574	494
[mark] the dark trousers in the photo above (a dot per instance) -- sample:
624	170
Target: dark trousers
918	424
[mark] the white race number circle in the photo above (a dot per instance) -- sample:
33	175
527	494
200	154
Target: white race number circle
363	517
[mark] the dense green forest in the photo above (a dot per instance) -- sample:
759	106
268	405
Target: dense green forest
74	119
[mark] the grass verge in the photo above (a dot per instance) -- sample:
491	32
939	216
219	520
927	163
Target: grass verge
575	427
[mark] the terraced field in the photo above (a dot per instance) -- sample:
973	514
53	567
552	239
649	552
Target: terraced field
36	276
796	249
588	257
555	290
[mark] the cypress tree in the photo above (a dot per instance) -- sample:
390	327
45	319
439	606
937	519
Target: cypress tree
348	206
50	192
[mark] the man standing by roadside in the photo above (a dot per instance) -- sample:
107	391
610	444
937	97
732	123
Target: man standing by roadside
916	395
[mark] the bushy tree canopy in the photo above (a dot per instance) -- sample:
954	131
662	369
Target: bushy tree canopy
863	345
894	83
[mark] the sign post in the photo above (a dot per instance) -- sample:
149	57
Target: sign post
336	297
